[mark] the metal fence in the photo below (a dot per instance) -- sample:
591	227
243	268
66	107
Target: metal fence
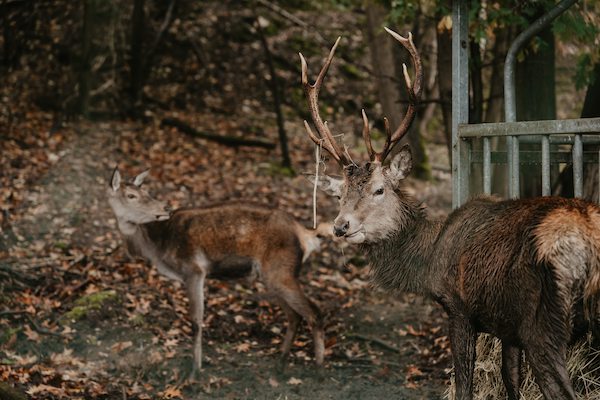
574	133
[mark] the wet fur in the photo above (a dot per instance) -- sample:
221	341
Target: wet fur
523	270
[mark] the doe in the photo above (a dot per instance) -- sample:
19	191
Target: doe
224	241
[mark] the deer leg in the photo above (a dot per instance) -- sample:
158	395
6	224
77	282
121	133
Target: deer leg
511	370
292	328
292	294
195	292
548	365
462	341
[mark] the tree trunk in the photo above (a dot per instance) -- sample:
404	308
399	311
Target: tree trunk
85	73
476	111
536	99
388	72
495	105
286	162
591	109
136	62
444	67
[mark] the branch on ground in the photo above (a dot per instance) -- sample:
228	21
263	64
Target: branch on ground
230	141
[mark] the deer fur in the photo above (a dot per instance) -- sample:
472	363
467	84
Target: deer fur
526	271
225	241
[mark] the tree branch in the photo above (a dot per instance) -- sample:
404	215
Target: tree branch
230	141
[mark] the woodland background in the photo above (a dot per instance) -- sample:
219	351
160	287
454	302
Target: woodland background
207	94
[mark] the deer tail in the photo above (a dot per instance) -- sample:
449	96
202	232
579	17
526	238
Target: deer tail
309	238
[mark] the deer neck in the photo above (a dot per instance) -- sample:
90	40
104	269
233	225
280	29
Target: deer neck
127	228
401	262
140	237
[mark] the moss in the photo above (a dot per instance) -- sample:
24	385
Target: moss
88	303
7	334
275	169
138	320
76	313
96	300
351	71
61	245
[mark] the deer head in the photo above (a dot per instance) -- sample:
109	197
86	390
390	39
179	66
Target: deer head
372	206
132	204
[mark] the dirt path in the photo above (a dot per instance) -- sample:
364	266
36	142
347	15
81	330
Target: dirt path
121	330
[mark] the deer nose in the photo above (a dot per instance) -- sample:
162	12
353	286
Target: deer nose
341	228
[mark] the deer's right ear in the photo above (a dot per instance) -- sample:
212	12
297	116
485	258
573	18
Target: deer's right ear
115	180
331	186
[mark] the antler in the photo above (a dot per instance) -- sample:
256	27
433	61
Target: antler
325	137
414	94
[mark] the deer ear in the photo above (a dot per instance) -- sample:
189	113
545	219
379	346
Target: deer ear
140	178
331	186
115	179
401	164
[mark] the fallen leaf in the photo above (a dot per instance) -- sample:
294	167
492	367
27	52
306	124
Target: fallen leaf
31	334
120	346
172	392
294	381
242	347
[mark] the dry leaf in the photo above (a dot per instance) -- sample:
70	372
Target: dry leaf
120	346
294	381
242	347
31	334
172	392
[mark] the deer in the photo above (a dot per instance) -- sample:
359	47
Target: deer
221	241
524	270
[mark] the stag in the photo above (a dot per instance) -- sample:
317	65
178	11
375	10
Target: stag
224	241
526	271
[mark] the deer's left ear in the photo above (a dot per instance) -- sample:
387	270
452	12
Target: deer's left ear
401	164
115	179
140	178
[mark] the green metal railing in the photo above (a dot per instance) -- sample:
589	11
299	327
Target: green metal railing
575	132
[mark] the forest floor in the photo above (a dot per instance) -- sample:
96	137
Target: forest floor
79	319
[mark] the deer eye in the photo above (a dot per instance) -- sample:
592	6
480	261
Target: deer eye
131	196
378	192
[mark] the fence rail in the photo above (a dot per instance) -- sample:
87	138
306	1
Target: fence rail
574	132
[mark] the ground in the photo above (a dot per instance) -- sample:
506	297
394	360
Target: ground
79	319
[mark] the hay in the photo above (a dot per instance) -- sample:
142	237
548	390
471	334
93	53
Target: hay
583	363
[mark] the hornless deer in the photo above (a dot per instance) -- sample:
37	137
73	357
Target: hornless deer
526	271
223	241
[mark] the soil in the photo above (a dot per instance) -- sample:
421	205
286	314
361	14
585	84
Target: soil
135	342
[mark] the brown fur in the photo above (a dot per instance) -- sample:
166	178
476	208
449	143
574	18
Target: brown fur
524	270
222	241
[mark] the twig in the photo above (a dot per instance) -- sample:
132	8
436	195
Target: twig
39	329
287	15
317	161
163	28
377	341
375	362
12	312
224	140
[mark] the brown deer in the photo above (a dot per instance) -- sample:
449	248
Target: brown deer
223	241
526	271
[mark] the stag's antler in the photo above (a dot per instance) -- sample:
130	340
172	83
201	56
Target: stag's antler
326	138
414	94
